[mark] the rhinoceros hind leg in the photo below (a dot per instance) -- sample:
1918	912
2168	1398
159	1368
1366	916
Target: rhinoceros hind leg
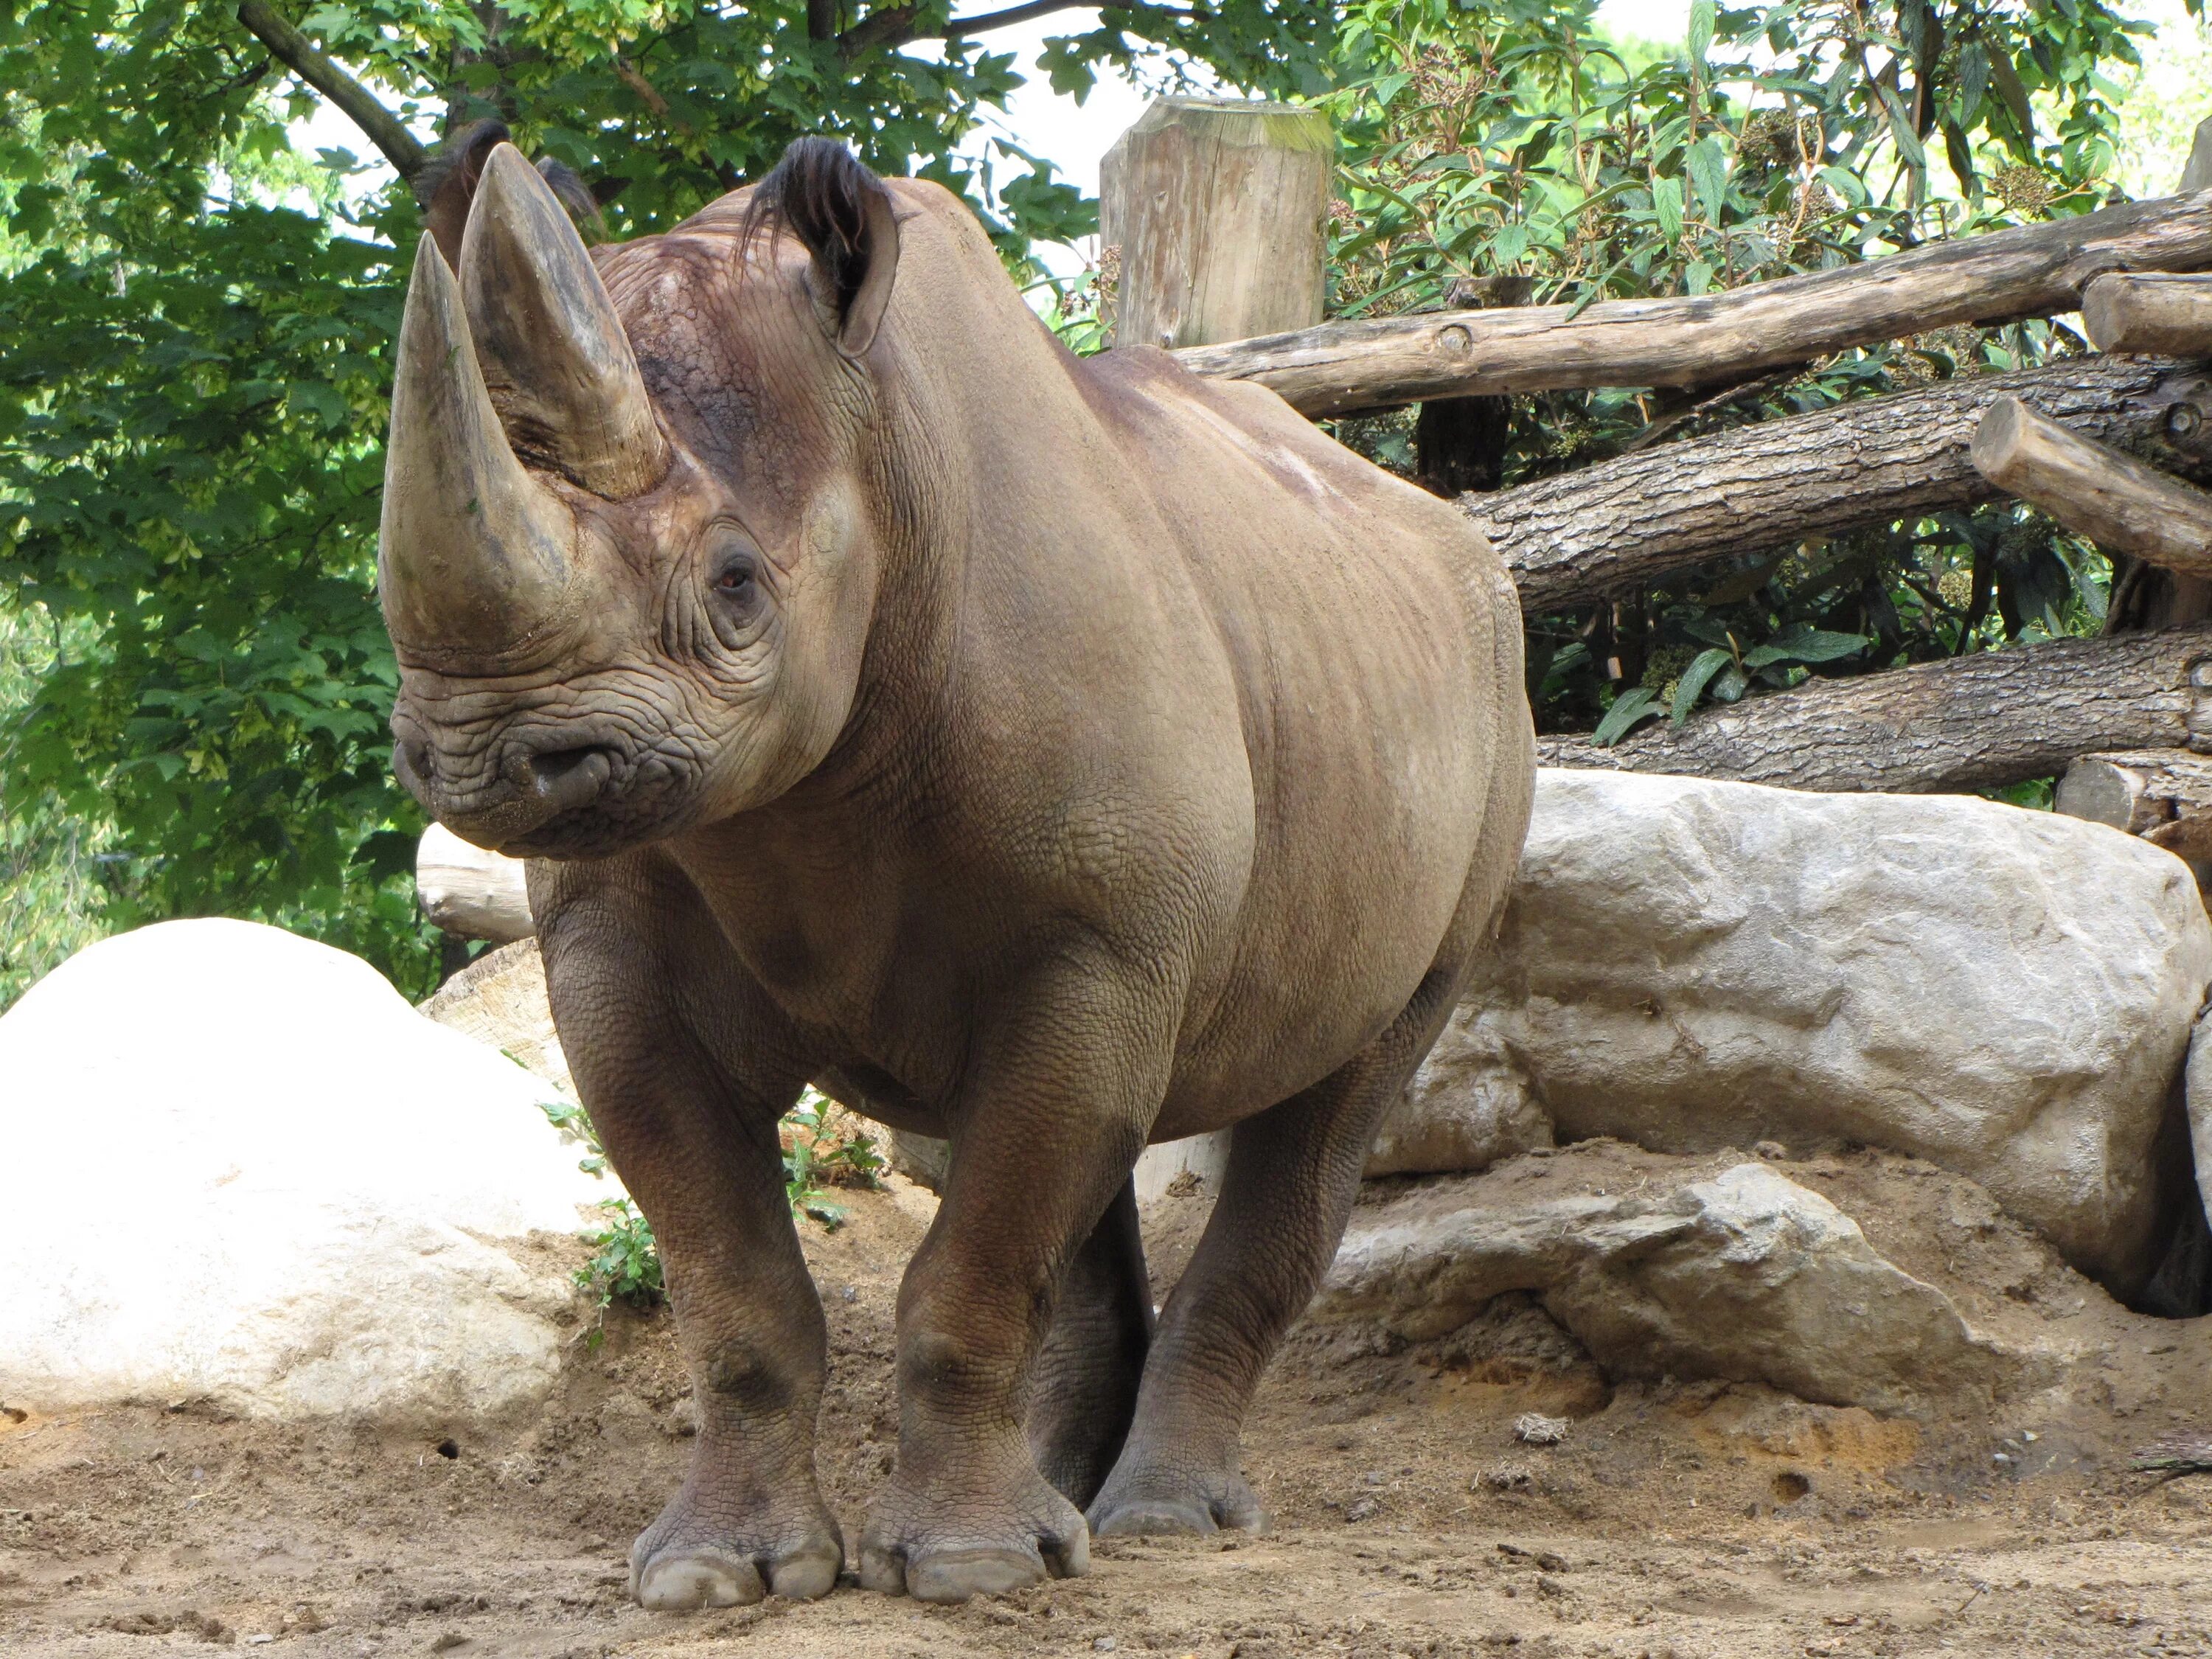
1085	1391
1293	1173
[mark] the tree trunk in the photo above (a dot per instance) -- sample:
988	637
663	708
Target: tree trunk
1992	717
2032	270
1628	522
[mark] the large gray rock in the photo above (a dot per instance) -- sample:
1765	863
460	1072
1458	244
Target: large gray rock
1692	964
1737	1272
268	1182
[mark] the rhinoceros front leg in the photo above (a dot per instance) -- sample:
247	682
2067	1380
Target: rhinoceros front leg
669	1045
1053	1114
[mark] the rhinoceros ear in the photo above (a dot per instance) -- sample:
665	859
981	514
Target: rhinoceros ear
446	187
842	214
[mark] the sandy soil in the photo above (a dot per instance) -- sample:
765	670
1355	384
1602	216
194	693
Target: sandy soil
1696	1520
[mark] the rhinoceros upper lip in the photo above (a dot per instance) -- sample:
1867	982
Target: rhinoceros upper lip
542	786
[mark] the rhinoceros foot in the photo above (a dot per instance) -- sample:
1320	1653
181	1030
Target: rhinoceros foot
677	1565
946	1548
1157	1504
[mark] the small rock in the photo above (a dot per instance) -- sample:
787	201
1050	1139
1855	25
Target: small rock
1104	1645
1534	1429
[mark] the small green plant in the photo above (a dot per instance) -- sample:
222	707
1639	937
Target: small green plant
625	1264
822	1148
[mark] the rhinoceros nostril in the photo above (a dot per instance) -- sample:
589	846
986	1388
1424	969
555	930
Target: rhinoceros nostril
564	779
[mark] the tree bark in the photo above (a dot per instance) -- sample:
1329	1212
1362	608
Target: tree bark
2032	270
1628	522
2150	312
2094	490
1992	717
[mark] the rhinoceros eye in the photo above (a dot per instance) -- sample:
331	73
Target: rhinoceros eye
736	599
737	576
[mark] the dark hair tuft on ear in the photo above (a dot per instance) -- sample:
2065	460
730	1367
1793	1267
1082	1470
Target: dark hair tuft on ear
446	186
819	192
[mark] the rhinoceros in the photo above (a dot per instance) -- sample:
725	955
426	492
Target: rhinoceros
1051	754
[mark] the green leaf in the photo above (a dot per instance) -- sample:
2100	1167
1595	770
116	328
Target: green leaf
1634	705
1804	644
1701	33
1695	678
1666	205
1707	164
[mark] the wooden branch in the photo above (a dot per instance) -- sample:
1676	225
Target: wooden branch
469	892
2137	790
2114	499
1716	339
1995	717
311	64
895	25
1633	520
2140	311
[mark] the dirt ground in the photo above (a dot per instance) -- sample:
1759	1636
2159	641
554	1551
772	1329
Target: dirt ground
1695	1520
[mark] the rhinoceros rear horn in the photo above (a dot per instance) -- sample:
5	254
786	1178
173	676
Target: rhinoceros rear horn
473	554
554	357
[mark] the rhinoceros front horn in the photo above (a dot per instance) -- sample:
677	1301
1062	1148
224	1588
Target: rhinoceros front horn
554	353
473	556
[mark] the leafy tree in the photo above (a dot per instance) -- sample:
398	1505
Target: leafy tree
192	403
1517	146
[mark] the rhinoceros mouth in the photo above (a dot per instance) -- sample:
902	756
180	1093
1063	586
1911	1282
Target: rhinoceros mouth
575	801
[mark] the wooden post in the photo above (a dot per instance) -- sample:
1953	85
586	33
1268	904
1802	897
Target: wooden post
2144	313
2198	173
1213	208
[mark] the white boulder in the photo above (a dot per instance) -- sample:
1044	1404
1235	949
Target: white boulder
1739	1273
266	1182
1691	964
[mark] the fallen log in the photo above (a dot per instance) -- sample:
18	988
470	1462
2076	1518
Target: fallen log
1630	521
2136	790
469	892
2094	490
1971	722
1716	339
2144	311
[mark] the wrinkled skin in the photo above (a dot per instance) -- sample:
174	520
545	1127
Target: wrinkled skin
1085	755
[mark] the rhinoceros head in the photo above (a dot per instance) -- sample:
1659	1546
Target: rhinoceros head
627	559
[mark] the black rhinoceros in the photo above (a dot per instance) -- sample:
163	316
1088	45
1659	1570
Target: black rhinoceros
1051	754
